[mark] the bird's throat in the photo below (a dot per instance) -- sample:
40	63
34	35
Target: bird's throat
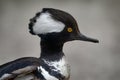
51	49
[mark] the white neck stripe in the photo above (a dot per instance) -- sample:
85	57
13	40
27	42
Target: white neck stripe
46	75
60	66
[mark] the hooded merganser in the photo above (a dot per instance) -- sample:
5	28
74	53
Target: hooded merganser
54	27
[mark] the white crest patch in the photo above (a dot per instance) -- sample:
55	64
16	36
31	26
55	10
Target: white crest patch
46	24
60	66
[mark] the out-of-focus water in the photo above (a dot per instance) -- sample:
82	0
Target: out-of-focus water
96	18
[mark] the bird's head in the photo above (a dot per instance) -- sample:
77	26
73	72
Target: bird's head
53	24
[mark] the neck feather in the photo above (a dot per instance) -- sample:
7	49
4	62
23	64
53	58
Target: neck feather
51	50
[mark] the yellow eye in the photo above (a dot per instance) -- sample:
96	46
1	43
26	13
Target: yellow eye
69	29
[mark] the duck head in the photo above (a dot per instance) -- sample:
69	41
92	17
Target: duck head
56	25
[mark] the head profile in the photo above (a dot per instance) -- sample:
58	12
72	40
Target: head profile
56	24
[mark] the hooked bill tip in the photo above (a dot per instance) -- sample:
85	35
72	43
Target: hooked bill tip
85	38
95	41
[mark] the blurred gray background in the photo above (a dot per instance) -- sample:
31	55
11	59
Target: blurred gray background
96	18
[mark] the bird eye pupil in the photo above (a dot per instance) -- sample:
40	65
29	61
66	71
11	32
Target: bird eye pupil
69	29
